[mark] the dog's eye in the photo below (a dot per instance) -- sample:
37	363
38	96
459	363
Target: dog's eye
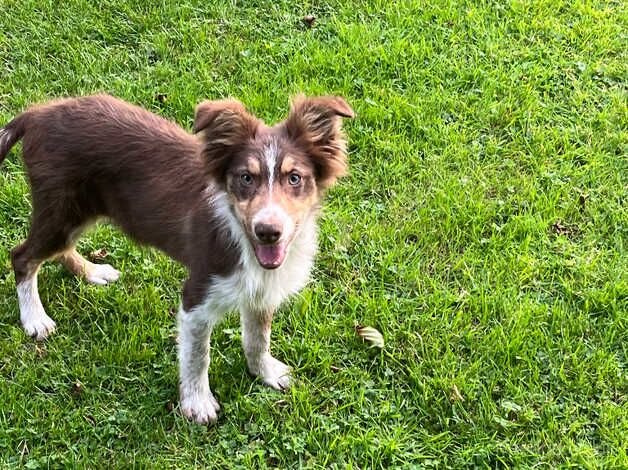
246	179
294	179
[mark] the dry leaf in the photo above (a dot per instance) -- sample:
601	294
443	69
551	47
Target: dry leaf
564	229
98	254
455	394
370	335
40	349
309	20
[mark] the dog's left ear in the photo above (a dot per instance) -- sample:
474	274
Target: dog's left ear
315	125
226	126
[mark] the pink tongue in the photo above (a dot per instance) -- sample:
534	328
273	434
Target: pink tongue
270	256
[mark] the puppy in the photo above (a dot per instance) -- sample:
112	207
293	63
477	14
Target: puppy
236	203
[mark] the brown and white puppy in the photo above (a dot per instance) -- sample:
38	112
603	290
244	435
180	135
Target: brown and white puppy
236	204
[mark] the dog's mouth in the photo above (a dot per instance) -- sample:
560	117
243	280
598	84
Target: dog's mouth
270	256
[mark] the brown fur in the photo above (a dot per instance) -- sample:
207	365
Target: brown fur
315	126
98	156
227	203
227	128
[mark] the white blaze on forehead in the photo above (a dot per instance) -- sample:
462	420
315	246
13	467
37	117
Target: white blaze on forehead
273	213
270	157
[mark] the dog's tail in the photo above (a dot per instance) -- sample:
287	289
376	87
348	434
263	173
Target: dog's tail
10	134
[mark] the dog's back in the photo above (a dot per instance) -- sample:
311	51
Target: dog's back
96	135
104	157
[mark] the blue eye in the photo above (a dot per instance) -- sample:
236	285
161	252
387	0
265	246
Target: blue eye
246	179
294	179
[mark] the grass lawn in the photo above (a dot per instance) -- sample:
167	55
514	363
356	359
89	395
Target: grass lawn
483	231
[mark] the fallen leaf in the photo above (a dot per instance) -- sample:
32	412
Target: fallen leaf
309	20
562	229
41	350
370	335
98	254
559	228
455	394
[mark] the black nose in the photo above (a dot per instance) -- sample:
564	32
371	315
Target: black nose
267	233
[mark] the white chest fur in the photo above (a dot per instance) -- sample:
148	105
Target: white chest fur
252	287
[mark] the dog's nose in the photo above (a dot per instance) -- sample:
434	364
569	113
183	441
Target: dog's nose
268	233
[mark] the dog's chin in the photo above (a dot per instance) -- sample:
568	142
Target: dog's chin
270	256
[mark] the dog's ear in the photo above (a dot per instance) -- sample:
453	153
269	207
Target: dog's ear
315	125
226	126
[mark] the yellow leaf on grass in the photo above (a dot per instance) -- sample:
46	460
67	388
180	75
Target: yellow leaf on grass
370	335
455	394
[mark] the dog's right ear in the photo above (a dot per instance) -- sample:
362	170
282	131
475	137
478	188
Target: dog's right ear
315	125
226	126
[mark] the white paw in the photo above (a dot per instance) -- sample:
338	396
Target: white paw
275	373
38	325
201	409
102	274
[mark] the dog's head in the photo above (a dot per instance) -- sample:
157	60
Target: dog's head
274	176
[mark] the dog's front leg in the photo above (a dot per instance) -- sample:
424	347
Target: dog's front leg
256	343
197	401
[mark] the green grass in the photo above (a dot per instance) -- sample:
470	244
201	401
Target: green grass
483	230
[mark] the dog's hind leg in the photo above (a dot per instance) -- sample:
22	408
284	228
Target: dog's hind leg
100	274
32	314
49	235
27	258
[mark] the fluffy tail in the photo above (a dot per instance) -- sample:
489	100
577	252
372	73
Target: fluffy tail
10	134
